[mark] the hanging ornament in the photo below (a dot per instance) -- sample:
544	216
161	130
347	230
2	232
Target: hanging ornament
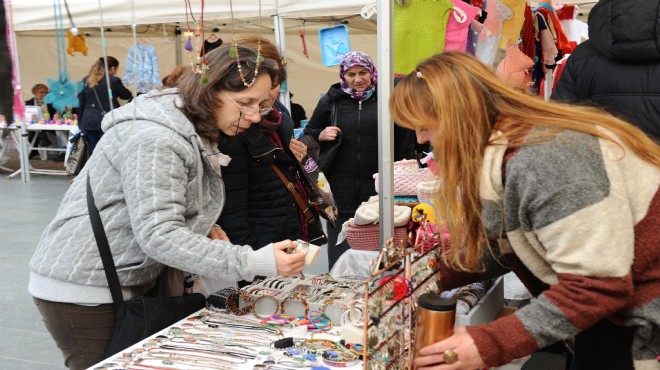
301	33
62	93
198	64
233	51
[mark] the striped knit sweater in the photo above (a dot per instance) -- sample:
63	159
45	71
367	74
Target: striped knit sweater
584	219
159	191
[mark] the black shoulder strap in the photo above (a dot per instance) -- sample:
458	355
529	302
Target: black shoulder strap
104	249
98	101
333	114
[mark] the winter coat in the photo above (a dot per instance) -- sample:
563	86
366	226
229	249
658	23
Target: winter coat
351	173
89	113
259	209
157	186
618	68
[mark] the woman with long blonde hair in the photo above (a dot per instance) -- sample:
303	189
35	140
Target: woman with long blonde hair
95	99
566	197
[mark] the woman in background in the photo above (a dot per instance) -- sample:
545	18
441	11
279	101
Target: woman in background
95	100
567	197
354	99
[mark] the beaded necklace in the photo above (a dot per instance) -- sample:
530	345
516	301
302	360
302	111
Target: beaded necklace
233	51
200	65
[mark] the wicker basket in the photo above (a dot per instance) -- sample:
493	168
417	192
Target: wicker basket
405	183
366	237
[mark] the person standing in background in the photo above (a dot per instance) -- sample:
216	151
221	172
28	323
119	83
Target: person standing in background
351	173
618	68
94	99
297	112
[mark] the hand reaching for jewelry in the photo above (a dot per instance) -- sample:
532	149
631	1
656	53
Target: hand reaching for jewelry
288	260
461	343
298	149
329	133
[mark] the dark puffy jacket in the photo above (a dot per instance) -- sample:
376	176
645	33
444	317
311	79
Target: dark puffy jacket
89	113
351	174
259	210
618	68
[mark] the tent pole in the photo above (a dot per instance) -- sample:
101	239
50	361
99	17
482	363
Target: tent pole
280	41
385	124
177	45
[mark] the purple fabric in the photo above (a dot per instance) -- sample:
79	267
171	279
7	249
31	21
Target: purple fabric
352	59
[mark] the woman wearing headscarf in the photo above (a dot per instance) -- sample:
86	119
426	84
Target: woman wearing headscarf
354	100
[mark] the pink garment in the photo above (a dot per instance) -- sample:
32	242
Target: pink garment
19	106
493	22
514	69
458	26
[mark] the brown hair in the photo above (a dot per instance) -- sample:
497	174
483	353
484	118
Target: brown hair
268	51
172	79
465	103
200	99
97	72
38	87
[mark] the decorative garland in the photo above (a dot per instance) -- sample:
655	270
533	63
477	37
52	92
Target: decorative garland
233	51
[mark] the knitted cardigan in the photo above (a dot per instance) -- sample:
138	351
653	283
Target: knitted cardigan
582	219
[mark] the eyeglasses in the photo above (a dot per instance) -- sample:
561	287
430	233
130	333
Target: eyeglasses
250	110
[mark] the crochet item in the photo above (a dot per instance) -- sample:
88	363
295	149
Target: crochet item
76	43
63	92
511	27
426	189
405	183
514	69
419	32
368	214
406	199
146	72
366	237
458	26
430	236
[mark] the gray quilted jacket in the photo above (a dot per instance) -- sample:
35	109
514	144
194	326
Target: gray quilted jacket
158	188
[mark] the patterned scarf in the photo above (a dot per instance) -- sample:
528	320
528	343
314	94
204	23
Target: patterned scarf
352	59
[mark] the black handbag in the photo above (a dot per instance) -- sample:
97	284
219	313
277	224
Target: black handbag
142	316
78	156
330	149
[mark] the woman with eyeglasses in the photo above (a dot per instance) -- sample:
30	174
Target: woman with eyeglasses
354	102
156	180
259	207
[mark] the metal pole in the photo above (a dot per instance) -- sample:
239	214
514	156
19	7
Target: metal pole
177	45
280	41
385	123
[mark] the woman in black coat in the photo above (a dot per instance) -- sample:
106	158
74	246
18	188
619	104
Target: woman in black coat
95	93
351	173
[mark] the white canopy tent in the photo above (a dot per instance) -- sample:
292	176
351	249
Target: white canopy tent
38	15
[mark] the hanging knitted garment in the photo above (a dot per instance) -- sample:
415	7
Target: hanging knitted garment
458	26
514	69
76	43
563	44
146	73
511	27
419	32
487	48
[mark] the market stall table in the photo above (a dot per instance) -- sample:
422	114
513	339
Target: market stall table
71	129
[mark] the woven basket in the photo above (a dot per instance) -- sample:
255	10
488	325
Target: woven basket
405	183
366	237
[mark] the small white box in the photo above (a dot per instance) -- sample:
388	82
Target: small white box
488	307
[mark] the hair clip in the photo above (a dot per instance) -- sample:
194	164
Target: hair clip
419	74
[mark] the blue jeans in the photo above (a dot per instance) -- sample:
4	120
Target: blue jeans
93	137
82	333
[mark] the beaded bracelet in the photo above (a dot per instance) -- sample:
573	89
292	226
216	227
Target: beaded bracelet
254	306
319	320
233	302
295	298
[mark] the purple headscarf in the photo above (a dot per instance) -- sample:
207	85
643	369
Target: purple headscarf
352	59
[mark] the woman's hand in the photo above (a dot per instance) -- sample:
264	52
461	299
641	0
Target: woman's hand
329	133
218	234
298	149
288	260
461	343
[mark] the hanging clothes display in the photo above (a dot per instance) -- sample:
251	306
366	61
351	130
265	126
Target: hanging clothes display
458	25
511	26
212	42
514	69
563	44
419	32
487	48
146	72
76	43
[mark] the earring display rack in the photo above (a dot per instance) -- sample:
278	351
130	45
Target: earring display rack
390	294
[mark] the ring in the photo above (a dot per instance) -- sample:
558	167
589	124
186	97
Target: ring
449	356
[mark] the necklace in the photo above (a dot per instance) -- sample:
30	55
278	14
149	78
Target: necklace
233	51
200	65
